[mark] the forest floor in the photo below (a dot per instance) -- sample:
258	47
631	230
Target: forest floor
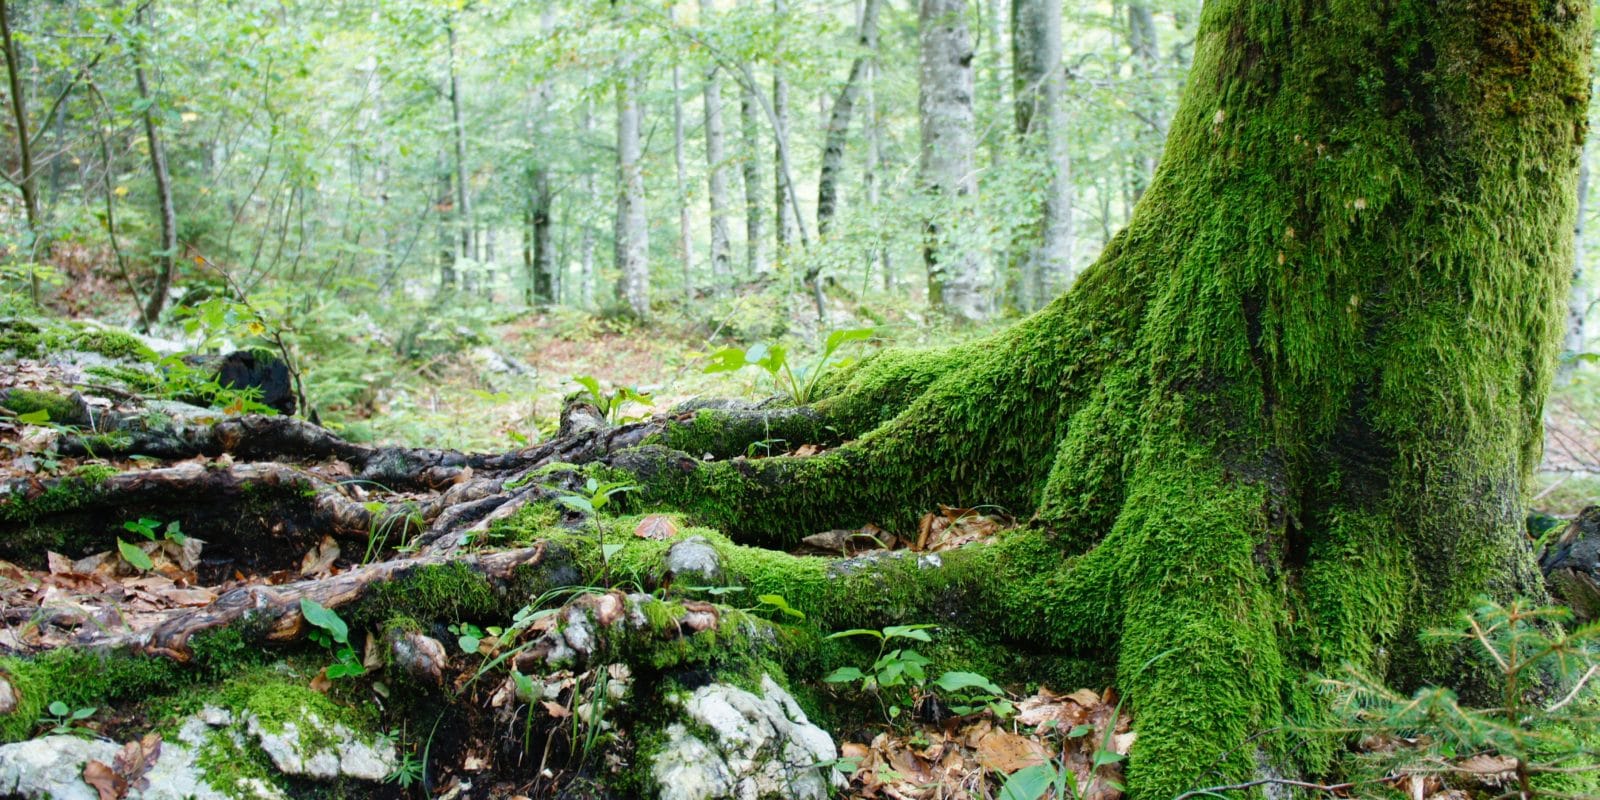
501	388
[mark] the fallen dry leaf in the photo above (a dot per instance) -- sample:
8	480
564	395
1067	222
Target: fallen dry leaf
1007	752
656	526
318	561
1490	770
555	709
105	780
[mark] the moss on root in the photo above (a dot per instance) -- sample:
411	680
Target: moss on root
57	407
38	338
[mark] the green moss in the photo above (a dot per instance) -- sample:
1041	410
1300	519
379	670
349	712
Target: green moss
34	339
229	766
725	434
81	680
440	592
135	379
64	494
59	408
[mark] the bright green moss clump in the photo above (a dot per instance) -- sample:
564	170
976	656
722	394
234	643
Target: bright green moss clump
81	680
58	408
64	495
38	338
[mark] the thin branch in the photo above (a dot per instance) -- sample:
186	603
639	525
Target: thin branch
1578	687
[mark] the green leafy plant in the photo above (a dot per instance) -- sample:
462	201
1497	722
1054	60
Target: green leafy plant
65	719
330	631
797	383
407	773
1055	779
772	604
382	525
611	404
969	692
1540	733
148	528
890	669
590	501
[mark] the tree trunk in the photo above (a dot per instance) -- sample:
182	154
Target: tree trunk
1578	298
948	171
755	206
586	243
721	256
1042	129
786	223
1282	424
685	222
838	130
458	132
168	254
19	111
445	206
1151	125
633	227
871	177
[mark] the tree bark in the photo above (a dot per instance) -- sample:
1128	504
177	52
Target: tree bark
755	206
458	132
632	224
879	254
1041	118
168	255
591	196
948	170
785	224
1578	299
721	256
19	112
685	222
1151	126
838	130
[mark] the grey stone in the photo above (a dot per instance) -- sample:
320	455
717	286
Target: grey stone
694	557
760	746
51	767
345	754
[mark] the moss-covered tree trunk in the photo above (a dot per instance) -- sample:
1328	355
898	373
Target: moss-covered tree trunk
1284	422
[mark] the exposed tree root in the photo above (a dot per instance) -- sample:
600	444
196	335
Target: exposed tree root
273	612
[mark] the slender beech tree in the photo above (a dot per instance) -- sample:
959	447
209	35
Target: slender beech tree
167	256
871	176
541	192
458	134
721	257
632	224
26	180
750	161
1041	114
591	196
681	170
948	170
785	225
1151	124
844	103
1577	340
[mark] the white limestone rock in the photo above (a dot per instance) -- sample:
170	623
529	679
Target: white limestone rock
759	746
